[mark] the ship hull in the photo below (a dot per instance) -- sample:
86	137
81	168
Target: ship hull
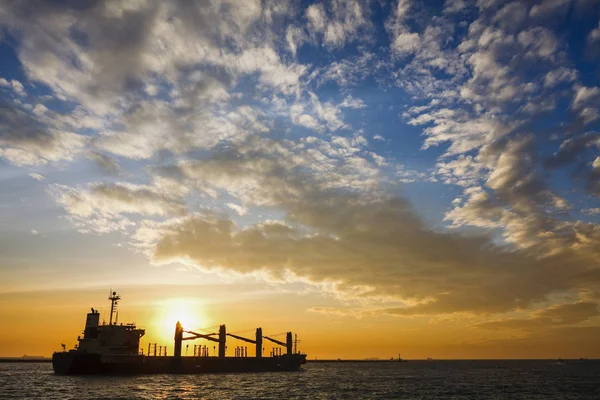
76	363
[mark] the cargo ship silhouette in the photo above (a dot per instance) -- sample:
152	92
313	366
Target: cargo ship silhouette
114	349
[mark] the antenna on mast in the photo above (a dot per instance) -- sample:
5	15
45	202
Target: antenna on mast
114	298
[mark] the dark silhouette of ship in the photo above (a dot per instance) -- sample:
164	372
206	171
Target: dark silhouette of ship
114	349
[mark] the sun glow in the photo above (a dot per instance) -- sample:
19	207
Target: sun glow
187	311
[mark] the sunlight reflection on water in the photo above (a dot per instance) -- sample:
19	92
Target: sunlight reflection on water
412	380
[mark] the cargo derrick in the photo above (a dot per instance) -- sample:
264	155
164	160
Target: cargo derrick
288	342
179	331
258	341
208	336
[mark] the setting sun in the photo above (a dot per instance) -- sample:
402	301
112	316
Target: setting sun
187	311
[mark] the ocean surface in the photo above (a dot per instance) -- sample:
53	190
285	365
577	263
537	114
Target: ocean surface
345	380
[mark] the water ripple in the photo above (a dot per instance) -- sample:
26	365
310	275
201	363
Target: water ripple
412	380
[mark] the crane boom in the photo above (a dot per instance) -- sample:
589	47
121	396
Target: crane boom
275	341
241	338
207	336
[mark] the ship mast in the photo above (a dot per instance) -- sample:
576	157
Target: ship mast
114	299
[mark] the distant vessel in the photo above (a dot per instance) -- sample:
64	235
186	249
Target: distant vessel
400	359
114	349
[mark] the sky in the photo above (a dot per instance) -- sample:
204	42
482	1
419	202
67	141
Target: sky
379	177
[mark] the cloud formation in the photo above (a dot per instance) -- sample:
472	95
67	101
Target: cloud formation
241	138
376	247
557	315
25	140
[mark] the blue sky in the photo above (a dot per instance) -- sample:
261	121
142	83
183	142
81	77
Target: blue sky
416	158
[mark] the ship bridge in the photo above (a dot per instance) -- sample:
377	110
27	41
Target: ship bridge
114	338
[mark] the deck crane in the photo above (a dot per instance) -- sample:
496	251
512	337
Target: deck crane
258	341
208	336
222	336
288	342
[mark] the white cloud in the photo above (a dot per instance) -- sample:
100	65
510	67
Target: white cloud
164	41
18	87
350	71
558	76
39	109
463	171
107	164
586	102
584	95
237	208
317	18
511	16
548	7
307	121
15	85
454	6
294	37
478	209
404	42
464	133
345	20
594	34
351	102
151	126
316	115
37	177
102	208
25	140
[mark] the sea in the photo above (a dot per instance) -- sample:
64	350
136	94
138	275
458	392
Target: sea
500	379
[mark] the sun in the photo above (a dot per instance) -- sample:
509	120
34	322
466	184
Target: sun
187	311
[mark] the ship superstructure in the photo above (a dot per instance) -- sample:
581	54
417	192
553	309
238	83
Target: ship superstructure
109	340
114	348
